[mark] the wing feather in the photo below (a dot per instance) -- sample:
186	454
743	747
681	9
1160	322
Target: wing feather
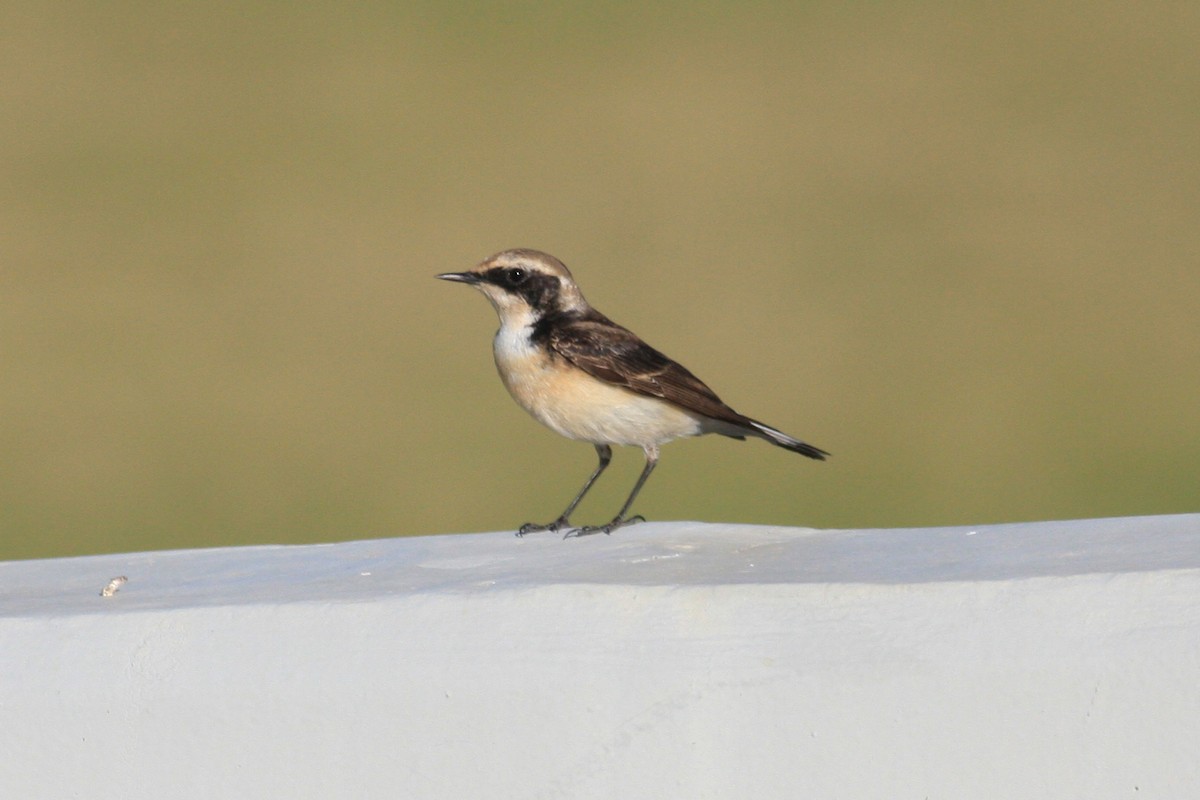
616	355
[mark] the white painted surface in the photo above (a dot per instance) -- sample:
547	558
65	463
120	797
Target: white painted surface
674	660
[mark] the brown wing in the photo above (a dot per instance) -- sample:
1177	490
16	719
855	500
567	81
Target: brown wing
613	354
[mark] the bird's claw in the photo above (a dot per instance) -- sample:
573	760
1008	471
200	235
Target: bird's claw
588	530
553	527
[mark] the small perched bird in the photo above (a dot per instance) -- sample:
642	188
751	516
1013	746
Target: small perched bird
586	377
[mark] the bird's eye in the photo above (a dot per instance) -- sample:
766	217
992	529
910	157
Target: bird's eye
516	276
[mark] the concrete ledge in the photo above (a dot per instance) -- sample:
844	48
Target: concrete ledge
689	660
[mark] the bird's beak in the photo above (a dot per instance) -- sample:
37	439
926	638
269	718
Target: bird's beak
460	277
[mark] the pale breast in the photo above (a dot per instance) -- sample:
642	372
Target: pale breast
574	404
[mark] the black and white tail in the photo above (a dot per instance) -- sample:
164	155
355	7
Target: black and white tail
780	438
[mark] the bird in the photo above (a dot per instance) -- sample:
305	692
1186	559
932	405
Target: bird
589	379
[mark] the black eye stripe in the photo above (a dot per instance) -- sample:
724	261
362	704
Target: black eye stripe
498	276
539	289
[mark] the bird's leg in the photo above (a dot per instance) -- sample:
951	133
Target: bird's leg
563	521
620	519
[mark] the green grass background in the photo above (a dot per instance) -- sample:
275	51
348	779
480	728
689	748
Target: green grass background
956	245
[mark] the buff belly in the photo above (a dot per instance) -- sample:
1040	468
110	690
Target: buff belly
572	403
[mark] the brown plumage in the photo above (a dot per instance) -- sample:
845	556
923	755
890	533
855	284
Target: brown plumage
588	378
616	355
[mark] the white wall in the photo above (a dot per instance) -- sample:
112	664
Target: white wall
674	660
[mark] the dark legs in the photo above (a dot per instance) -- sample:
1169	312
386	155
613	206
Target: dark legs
620	519
563	521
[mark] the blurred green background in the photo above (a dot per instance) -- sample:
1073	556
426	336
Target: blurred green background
956	245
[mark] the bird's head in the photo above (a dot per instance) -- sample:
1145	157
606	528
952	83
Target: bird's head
523	285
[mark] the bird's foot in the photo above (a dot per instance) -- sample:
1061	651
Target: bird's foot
618	522
533	527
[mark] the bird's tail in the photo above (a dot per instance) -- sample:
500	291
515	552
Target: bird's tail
780	438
